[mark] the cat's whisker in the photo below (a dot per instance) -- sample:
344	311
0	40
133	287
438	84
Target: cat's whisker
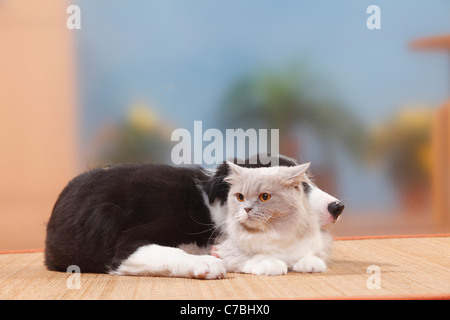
217	229
200	232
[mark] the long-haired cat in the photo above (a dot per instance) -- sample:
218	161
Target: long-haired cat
145	219
270	227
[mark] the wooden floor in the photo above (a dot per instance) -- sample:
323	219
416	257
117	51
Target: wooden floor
411	267
353	224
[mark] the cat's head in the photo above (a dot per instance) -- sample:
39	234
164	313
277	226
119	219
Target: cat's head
271	198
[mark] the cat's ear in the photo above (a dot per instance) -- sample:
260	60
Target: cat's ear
235	168
294	173
234	171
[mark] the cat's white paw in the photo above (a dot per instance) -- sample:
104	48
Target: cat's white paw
267	266
310	264
209	267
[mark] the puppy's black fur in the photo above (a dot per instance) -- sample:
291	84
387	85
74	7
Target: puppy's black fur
104	215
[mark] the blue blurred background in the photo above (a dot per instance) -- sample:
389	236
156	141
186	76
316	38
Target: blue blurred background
359	104
211	60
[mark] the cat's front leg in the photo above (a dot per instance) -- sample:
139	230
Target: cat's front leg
264	265
310	264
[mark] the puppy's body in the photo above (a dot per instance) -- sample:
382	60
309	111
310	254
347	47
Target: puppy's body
105	215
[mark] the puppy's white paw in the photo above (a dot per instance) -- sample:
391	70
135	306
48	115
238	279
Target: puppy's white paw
310	264
209	267
264	265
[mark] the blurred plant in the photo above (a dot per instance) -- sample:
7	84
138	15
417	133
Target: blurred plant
140	137
290	99
404	145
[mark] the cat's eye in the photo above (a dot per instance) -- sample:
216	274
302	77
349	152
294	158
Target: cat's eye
264	196
240	197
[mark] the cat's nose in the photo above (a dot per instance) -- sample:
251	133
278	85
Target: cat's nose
335	208
247	209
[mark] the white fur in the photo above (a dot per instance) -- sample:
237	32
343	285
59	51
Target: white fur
155	260
271	253
265	265
192	248
217	211
319	201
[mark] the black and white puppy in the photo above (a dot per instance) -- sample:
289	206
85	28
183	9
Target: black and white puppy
146	219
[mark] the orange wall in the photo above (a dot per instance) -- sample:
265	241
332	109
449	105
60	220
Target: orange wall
37	117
